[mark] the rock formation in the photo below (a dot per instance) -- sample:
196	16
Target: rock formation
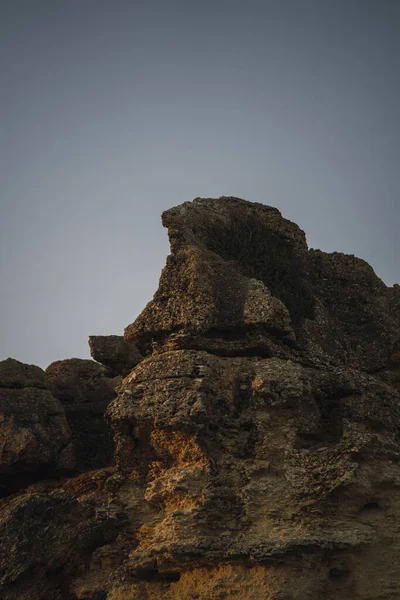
85	388
114	352
35	438
256	432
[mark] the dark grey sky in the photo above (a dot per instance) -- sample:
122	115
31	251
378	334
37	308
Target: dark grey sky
112	111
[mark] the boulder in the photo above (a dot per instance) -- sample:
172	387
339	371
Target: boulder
85	389
35	438
114	352
18	375
46	537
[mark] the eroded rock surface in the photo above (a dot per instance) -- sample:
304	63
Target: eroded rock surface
85	388
114	352
47	537
34	434
241	280
256	435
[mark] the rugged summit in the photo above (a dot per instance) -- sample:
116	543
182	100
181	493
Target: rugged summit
241	280
256	432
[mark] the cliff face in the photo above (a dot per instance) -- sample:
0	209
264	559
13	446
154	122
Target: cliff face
256	432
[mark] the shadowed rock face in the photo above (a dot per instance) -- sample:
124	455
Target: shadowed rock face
34	434
205	295
46	538
256	436
241	280
85	388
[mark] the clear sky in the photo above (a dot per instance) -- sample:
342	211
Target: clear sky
112	111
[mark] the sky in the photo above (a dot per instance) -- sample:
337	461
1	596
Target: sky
112	111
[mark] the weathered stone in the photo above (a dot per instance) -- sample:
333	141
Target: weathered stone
225	253
85	389
34	434
114	352
79	381
15	374
257	448
204	290
45	539
263	421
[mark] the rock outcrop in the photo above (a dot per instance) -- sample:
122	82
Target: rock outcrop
46	538
35	438
241	280
114	352
256	433
85	389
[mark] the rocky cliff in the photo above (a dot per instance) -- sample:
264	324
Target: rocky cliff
256	431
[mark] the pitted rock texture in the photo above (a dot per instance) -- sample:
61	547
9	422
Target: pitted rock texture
114	352
34	434
46	537
256	437
241	280
256	462
18	375
85	388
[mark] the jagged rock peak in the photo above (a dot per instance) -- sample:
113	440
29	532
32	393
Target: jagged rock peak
240	280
